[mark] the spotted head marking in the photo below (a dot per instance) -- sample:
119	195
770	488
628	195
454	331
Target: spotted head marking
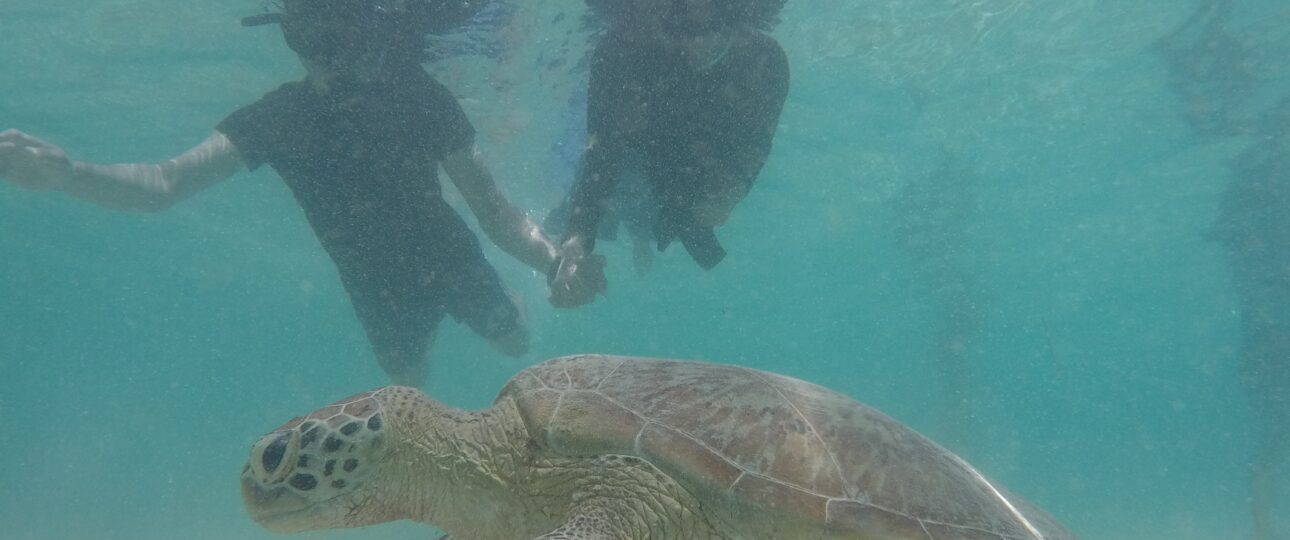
311	472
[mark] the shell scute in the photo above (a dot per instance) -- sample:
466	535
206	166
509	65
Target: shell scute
780	497
874	522
362	407
770	442
575	372
326	412
683	456
947	531
588	423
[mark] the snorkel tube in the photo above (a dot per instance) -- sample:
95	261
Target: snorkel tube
429	16
262	19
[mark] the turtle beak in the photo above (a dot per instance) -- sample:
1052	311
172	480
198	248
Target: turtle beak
276	509
264	491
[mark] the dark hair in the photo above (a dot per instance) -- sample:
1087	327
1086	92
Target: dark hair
439	16
403	16
401	28
760	14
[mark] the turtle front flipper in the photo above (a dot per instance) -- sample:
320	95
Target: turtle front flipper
621	497
595	523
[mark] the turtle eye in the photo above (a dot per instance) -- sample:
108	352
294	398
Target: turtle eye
274	452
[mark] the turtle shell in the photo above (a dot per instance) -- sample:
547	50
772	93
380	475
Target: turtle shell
765	443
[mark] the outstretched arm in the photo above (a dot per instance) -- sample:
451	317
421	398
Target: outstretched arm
37	165
501	221
517	235
617	108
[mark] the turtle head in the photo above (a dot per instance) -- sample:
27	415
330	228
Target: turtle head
324	470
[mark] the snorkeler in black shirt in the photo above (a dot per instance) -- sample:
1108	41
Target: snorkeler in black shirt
359	142
684	98
1217	65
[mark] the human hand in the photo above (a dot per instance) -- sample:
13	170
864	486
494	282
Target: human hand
32	163
577	276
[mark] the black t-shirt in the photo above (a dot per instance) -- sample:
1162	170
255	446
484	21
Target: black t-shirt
365	172
698	130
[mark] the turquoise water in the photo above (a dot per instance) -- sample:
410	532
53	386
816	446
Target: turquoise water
988	219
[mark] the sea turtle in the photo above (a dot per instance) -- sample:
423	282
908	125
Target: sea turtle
599	447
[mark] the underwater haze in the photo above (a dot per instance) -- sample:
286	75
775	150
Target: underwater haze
1010	224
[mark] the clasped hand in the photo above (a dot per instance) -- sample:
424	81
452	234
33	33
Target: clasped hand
577	276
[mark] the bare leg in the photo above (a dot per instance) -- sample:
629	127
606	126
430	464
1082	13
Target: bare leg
400	322
407	367
516	342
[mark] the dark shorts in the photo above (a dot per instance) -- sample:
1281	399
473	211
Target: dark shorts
400	313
